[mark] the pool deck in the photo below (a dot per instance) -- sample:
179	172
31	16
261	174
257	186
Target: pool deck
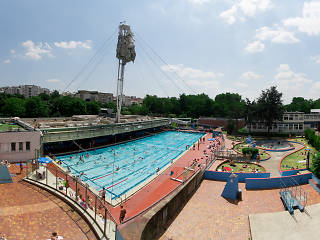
28	212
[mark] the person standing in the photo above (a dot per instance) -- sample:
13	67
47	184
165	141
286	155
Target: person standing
103	194
122	214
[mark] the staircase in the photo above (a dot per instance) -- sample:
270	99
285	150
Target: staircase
293	196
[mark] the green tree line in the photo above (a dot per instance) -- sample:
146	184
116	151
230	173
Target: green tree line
267	107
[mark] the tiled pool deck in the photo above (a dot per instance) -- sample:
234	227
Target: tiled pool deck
27	212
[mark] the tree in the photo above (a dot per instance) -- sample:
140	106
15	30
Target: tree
231	127
270	107
93	108
13	107
299	104
316	165
35	107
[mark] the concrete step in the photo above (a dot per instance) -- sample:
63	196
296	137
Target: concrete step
315	185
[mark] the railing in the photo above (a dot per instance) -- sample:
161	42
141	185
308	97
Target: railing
72	133
78	192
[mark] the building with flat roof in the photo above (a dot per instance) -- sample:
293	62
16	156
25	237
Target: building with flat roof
18	141
292	122
26	90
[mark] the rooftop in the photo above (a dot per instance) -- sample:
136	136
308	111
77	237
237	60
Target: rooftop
10	127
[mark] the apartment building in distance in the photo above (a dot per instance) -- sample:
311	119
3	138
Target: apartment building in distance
107	97
25	90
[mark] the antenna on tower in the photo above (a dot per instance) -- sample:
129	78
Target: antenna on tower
125	53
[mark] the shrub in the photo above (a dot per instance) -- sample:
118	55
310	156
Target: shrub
252	151
316	165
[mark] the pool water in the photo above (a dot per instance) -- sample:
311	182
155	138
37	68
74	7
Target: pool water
122	167
275	145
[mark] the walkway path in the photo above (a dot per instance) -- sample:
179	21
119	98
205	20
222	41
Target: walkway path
28	212
272	165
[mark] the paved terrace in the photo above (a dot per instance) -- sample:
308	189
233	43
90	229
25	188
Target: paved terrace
207	215
28	212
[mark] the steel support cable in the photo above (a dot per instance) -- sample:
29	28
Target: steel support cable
91	59
163	72
104	52
154	76
142	77
162	60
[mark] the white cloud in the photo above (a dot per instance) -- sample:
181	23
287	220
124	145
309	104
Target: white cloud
316	59
7	61
74	44
199	2
230	15
189	72
278	35
54	80
290	82
309	22
256	46
12	51
36	52
245	8
250	75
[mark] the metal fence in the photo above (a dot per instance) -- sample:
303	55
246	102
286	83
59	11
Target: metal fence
76	191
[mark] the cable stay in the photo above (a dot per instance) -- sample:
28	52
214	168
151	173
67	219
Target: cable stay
159	68
164	62
90	60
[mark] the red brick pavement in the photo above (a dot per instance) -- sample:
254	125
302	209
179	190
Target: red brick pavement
27	212
207	215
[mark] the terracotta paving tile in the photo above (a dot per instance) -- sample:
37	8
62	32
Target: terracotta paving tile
207	215
27	212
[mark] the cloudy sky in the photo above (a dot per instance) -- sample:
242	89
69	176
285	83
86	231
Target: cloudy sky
183	46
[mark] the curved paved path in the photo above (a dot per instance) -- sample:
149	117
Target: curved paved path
28	212
272	165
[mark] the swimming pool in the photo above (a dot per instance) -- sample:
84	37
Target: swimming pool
123	167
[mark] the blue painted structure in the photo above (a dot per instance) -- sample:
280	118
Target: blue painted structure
224	176
231	189
5	176
291	172
269	183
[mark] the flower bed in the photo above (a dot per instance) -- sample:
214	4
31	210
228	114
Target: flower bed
240	167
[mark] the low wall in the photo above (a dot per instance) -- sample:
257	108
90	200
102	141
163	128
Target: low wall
155	221
224	176
291	172
277	182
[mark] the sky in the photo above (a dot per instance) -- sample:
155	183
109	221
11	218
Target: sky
182	46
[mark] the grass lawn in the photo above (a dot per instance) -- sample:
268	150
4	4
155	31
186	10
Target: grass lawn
263	154
238	167
298	159
4	127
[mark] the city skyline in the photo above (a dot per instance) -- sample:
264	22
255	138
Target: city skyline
185	46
